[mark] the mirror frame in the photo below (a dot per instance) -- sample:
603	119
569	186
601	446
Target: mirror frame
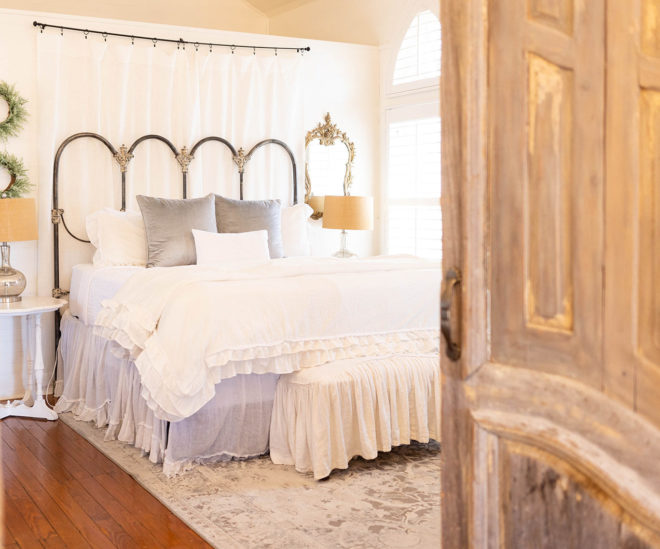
327	134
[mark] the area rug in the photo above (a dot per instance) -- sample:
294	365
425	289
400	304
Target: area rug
392	501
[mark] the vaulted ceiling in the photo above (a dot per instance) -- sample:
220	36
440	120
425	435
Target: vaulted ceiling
274	7
374	22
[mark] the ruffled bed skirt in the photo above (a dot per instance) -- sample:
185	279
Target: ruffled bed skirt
102	385
325	416
321	417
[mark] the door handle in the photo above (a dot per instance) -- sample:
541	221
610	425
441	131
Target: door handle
452	280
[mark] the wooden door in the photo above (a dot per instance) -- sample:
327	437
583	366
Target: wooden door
632	297
551	209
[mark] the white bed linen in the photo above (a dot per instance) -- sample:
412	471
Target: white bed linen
188	328
90	285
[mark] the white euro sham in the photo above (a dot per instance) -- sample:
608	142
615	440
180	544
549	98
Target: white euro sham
119	238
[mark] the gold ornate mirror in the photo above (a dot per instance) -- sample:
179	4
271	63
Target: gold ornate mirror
326	165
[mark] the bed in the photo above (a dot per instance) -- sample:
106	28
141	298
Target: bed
182	360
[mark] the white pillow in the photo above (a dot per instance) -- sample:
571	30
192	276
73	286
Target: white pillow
295	235
119	238
221	249
92	227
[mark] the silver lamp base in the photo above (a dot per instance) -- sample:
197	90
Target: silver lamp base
12	282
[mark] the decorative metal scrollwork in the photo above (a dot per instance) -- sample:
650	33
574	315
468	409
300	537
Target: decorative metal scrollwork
123	157
184	158
56	215
240	160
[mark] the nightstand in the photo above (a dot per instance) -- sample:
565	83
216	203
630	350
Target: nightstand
31	308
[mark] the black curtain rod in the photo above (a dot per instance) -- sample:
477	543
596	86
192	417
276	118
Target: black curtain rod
179	42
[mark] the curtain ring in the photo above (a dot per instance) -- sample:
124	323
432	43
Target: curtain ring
105	36
61	31
254	51
132	40
210	48
233	49
196	46
275	52
154	40
85	32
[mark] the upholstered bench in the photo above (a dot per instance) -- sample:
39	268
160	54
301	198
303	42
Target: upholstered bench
324	416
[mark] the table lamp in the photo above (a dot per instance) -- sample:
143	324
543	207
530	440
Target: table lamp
348	213
18	221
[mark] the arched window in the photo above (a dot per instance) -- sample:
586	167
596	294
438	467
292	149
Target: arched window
412	216
419	54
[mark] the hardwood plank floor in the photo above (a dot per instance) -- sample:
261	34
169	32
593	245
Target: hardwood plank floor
60	491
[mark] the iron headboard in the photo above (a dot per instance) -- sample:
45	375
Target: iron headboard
123	156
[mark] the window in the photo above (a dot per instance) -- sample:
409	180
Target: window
411	200
419	54
414	221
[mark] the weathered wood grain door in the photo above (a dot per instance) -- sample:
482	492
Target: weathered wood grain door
551	212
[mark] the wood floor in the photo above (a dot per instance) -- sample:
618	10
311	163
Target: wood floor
59	491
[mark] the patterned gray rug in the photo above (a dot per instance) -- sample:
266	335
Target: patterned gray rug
392	501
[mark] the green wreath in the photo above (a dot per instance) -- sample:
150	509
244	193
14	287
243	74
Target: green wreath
11	125
19	183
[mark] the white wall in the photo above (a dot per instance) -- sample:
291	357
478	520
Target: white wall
346	79
18	67
342	79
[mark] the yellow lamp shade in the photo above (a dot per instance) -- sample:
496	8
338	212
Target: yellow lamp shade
18	219
351	213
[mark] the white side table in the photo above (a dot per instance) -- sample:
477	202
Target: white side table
31	308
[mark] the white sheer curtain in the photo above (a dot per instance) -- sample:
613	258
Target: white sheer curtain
124	91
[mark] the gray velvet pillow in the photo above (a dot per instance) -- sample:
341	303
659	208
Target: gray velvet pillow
169	224
242	216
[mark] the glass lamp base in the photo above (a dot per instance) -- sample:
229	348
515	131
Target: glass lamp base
343	252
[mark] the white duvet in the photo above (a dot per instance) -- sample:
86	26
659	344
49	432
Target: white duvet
188	328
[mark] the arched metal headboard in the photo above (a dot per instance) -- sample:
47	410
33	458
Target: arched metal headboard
123	156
